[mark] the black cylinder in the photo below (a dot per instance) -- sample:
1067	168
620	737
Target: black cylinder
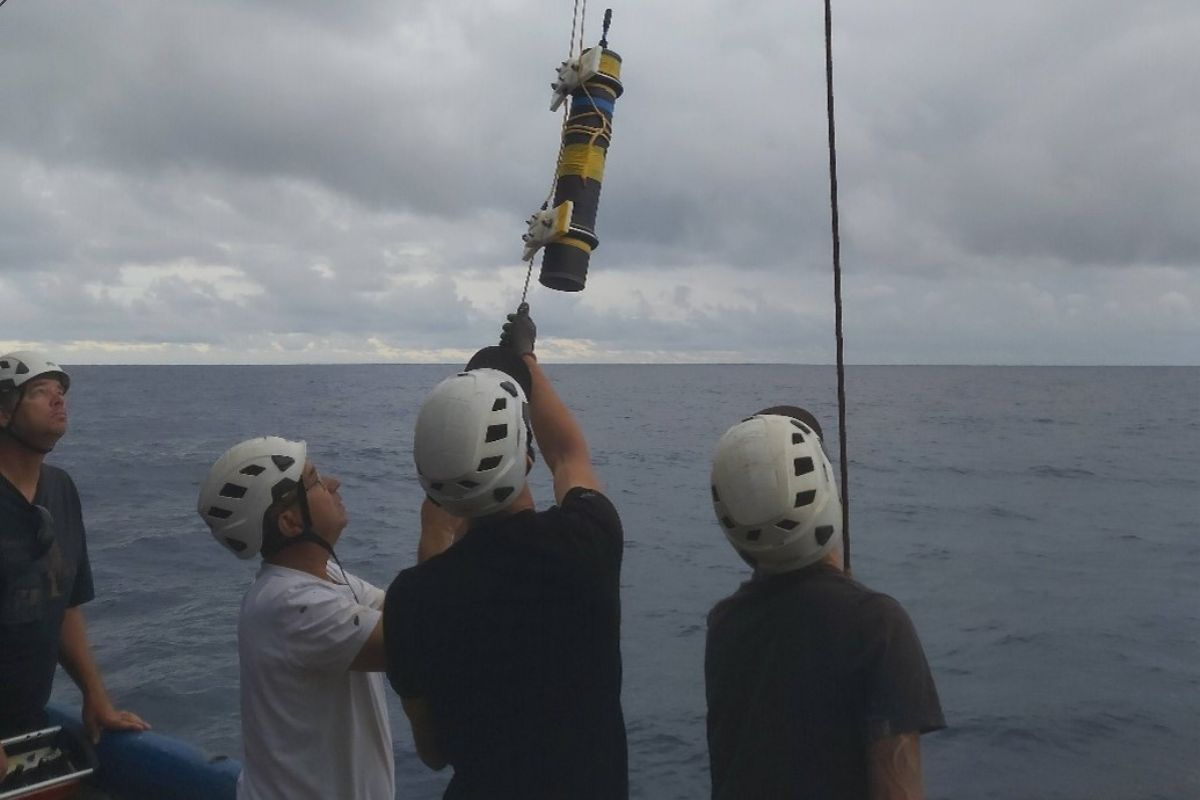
585	141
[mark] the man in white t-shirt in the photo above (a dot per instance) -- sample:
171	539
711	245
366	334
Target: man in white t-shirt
310	636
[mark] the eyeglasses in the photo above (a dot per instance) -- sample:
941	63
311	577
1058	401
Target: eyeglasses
44	538
294	494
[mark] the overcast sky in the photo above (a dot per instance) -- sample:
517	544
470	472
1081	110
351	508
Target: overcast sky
243	181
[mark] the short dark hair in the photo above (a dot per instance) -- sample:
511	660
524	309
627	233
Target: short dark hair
505	360
795	412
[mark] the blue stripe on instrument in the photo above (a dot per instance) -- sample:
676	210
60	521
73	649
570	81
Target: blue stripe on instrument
598	103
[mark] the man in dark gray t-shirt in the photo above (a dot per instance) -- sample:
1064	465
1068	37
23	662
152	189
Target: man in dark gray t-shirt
45	576
817	686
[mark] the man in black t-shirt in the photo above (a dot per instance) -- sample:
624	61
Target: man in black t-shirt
817	686
505	646
44	572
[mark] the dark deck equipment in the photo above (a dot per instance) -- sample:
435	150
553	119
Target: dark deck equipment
46	764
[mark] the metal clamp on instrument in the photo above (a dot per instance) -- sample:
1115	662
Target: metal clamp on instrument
546	226
574	73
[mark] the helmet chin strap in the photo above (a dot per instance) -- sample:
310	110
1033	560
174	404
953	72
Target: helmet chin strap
307	534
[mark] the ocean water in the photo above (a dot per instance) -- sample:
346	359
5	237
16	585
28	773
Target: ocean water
1039	524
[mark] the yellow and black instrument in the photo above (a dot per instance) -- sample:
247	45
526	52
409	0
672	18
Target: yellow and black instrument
566	225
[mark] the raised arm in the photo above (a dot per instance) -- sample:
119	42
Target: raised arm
558	435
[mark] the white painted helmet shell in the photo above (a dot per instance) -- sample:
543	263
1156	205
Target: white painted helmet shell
243	484
470	442
22	366
774	494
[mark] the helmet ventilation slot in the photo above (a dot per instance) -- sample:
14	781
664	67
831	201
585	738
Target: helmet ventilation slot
233	490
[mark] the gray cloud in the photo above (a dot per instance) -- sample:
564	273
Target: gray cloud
307	181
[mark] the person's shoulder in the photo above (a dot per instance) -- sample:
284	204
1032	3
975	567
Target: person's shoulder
278	588
877	601
720	610
585	495
585	523
410	580
879	612
58	473
751	594
816	586
56	477
339	575
582	501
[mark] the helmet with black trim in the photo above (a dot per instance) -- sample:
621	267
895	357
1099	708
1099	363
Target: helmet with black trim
244	483
774	494
20	367
470	445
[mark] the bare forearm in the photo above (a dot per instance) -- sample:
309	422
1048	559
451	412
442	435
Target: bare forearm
895	768
75	654
558	434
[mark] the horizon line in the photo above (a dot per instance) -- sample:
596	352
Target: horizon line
635	364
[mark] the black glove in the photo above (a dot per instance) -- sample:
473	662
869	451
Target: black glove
520	332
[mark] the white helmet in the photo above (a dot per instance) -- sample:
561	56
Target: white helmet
17	369
470	443
243	484
774	495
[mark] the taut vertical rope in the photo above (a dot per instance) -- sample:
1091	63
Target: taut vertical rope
837	285
578	18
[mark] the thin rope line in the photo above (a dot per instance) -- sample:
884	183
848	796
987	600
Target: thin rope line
528	275
576	23
582	22
837	287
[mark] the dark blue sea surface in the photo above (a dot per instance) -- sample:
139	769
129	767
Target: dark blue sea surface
1039	524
